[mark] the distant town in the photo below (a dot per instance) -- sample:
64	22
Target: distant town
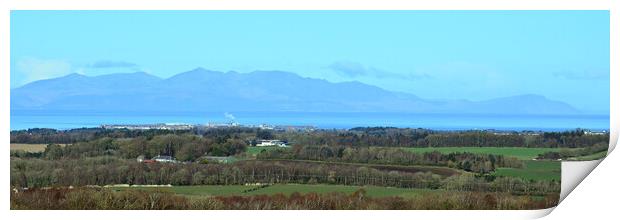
182	126
290	128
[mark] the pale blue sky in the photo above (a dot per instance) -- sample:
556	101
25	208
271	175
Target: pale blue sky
475	55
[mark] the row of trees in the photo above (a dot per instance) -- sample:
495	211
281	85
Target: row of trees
356	137
184	147
396	137
46	136
479	163
90	198
192	147
564	154
110	170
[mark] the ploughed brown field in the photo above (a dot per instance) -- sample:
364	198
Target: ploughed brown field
28	147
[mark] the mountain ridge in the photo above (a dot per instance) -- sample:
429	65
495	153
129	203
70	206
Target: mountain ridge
205	90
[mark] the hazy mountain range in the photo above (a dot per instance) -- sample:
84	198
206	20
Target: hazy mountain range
273	91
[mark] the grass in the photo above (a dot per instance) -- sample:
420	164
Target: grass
286	189
205	190
534	170
372	191
439	170
255	150
595	156
29	147
521	153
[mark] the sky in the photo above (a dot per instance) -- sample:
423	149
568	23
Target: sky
473	55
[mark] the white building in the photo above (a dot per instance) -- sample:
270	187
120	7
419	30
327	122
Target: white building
164	159
271	143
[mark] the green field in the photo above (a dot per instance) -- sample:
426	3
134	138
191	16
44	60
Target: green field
521	153
595	156
534	170
439	170
204	190
286	189
255	150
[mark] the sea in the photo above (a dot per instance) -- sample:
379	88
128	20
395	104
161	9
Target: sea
62	120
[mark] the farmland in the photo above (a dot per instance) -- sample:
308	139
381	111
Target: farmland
534	170
218	168
521	153
286	189
253	151
595	156
443	171
28	147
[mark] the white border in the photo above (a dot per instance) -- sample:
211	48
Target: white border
314	4
289	5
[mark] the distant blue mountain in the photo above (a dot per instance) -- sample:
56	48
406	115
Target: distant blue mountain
273	91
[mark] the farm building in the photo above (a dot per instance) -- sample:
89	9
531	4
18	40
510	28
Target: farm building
271	143
164	159
157	159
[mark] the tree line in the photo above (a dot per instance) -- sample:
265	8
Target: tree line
98	199
111	170
565	154
184	147
479	163
355	137
406	137
191	148
47	136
